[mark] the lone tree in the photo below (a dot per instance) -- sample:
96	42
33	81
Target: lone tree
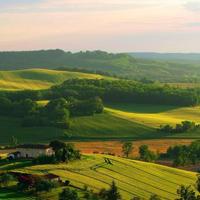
127	148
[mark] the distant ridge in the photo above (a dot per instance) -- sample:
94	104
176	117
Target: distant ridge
167	56
158	67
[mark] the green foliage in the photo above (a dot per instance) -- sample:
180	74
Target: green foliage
43	185
122	65
146	154
187	193
113	91
86	107
57	145
183	155
64	152
111	194
180	128
68	194
5	179
127	148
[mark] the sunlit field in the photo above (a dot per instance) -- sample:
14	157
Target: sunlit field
133	178
38	78
154	116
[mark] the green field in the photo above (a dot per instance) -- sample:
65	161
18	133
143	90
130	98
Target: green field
134	178
102	126
38	78
127	121
10	195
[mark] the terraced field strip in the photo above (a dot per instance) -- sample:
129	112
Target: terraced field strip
134	178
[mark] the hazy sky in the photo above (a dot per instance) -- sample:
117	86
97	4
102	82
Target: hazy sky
112	25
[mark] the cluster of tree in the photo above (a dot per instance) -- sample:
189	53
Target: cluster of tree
146	154
179	128
131	91
35	184
183	155
56	113
188	193
112	91
63	153
27	183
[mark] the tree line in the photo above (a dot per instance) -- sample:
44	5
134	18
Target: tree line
183	127
126	91
183	154
112	91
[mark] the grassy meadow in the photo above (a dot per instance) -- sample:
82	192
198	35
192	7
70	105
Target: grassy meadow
35	79
102	126
133	178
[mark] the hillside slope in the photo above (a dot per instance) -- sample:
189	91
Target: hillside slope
101	126
116	64
118	122
153	115
38	78
133	178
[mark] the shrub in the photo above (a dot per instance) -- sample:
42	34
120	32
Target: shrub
5	179
44	185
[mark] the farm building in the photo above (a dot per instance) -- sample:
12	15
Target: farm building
32	151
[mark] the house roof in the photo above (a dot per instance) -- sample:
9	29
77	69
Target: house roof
33	146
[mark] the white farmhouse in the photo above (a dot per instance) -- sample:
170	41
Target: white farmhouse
33	150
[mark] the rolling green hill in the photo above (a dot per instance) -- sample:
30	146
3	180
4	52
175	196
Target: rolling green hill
38	78
133	178
120	122
101	126
153	115
98	61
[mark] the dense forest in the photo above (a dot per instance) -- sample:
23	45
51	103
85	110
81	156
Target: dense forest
112	91
121	64
125	91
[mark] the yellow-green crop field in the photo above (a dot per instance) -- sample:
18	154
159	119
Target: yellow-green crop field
154	116
35	79
133	178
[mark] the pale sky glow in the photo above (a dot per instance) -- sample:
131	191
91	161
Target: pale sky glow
112	25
